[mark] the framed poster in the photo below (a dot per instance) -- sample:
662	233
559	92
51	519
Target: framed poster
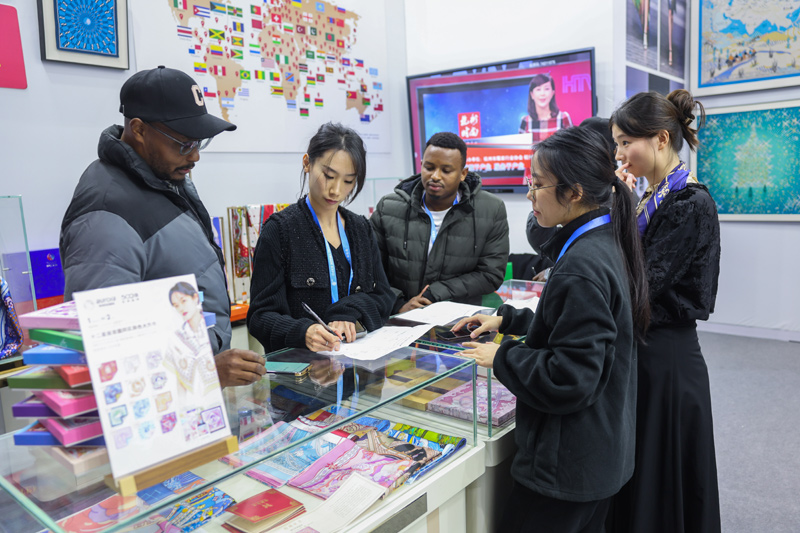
748	157
85	32
745	45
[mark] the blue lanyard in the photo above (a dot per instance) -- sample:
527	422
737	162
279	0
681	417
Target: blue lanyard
434	231
331	266
594	223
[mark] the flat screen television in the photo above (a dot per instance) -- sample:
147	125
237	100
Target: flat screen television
488	106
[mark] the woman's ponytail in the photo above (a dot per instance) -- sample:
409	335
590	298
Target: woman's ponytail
626	231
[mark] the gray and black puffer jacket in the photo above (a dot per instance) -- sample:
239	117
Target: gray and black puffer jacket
125	225
469	256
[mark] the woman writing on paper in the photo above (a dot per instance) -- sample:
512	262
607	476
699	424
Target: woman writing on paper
575	375
674	487
318	253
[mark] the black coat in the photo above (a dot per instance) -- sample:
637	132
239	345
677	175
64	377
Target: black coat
575	374
290	267
682	250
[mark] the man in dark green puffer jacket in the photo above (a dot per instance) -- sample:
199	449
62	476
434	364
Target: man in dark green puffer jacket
441	237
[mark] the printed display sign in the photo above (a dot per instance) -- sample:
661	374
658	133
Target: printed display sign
153	371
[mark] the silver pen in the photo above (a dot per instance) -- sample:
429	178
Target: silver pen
318	319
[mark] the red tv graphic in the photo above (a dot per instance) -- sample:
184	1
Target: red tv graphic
469	125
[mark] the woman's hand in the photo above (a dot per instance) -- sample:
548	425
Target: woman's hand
626	177
319	339
484	323
483	353
346	328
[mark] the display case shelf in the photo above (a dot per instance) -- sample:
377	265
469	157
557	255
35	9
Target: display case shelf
32	480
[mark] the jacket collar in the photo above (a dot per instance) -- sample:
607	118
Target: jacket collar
113	150
553	246
411	189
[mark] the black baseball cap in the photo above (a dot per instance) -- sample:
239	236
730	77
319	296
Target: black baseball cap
172	98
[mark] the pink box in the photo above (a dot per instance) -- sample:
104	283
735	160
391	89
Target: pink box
68	404
74	430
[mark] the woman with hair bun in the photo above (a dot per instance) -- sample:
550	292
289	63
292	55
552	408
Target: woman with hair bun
674	486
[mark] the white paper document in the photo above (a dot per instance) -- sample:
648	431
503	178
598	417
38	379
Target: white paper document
441	313
349	501
380	342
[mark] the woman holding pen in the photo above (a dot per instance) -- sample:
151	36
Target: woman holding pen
318	253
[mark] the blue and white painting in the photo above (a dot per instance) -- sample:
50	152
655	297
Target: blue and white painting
749	160
88	26
748	40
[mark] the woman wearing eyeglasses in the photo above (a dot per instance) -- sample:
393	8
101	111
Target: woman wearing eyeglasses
574	376
318	253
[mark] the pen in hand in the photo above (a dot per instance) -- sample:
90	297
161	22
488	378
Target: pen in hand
316	317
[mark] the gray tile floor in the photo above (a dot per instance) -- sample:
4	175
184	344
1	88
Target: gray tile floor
755	394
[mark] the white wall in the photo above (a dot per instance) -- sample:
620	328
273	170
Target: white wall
446	34
49	133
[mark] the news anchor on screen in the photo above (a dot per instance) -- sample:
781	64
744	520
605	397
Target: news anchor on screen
544	118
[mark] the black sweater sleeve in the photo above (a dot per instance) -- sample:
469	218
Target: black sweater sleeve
571	371
371	308
269	319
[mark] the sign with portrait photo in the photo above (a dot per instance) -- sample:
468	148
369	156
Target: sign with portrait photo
155	381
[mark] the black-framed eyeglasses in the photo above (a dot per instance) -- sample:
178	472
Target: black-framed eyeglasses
187	147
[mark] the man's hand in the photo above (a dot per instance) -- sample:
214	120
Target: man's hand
415	303
239	367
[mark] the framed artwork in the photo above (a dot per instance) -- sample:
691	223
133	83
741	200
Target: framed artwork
87	32
745	45
748	158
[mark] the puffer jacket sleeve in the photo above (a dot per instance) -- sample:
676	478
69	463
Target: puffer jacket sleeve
269	319
490	271
100	249
377	222
371	308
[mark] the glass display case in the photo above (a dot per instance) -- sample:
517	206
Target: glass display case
15	260
281	417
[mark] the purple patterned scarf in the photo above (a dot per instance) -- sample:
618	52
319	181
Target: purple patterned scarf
676	180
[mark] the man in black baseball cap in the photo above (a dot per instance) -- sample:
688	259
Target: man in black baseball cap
136	215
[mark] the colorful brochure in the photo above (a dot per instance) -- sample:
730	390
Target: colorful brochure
329	472
458	403
154	376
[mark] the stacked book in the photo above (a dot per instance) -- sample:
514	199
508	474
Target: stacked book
62	405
